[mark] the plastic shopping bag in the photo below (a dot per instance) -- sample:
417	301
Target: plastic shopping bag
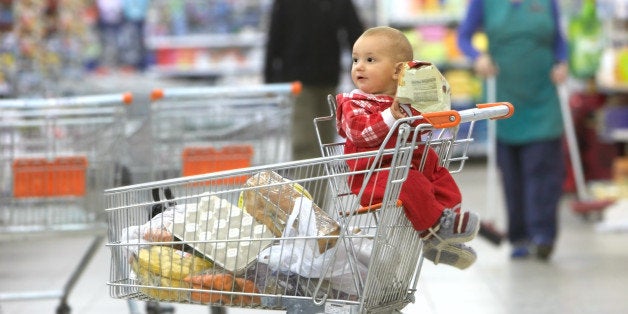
299	252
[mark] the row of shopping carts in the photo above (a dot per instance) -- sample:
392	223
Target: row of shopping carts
58	155
240	224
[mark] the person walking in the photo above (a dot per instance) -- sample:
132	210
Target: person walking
109	23
134	13
305	42
527	56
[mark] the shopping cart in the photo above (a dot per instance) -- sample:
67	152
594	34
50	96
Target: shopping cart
57	156
253	237
195	130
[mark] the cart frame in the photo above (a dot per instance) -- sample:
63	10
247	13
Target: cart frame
196	130
368	284
56	158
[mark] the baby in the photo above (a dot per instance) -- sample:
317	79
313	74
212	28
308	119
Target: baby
431	198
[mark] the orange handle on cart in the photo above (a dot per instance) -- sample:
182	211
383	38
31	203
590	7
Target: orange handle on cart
156	94
443	119
511	108
367	209
296	88
127	98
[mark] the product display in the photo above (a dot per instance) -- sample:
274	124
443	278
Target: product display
586	42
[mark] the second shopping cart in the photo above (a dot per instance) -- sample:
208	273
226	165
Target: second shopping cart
194	130
57	155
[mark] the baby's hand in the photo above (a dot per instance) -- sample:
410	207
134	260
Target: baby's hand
398	111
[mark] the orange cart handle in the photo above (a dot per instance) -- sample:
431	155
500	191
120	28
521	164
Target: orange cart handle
511	108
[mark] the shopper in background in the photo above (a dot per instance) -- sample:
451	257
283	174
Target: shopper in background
527	55
109	22
134	13
305	41
431	198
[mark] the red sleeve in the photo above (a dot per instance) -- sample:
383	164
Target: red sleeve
362	123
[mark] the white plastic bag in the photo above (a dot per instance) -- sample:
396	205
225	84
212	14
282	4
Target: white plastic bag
134	236
299	253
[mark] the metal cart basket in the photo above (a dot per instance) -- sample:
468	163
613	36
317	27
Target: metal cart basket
57	156
255	238
195	130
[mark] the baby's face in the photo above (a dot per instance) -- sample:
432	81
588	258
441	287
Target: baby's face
373	69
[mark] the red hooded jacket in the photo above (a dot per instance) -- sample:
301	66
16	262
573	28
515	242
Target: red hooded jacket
364	120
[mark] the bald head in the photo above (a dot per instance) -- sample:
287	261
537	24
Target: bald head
400	47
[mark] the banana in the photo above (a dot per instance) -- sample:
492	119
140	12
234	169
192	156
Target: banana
163	266
168	262
147	278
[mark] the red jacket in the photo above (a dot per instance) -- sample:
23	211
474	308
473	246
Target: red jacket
364	120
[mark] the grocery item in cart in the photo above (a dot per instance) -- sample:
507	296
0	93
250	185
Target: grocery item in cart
210	288
423	86
163	266
298	252
272	201
222	232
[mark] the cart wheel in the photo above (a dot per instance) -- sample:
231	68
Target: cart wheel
153	307
217	310
63	308
595	216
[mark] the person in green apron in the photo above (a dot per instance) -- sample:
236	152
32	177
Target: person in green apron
527	56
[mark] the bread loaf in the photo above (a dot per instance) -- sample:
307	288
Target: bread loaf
271	203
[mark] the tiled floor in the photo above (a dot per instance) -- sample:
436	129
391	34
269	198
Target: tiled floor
587	274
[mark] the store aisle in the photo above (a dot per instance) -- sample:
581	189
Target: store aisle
587	274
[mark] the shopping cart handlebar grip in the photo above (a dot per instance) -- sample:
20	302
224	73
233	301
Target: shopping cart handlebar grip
157	93
511	108
297	87
127	98
443	119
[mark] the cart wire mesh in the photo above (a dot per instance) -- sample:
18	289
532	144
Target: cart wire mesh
276	235
57	156
195	130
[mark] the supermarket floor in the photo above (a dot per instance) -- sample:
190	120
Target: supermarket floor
587	273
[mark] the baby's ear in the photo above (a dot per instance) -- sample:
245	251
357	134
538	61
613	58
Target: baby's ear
398	70
399	67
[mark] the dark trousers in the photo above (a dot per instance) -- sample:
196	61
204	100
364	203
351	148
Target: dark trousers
532	177
133	46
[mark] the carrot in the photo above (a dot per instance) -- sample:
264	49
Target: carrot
248	286
222	282
206	297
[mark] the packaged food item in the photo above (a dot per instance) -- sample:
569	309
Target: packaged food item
210	287
585	35
163	266
424	87
147	278
271	202
222	232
